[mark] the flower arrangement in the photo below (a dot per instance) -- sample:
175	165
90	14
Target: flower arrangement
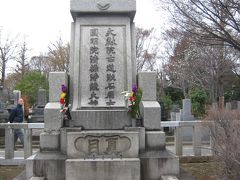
64	103
134	98
63	96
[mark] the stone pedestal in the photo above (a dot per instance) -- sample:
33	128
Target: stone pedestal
151	113
103	169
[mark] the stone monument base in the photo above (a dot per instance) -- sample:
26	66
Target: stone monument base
103	169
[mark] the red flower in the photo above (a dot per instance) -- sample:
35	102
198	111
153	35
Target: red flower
62	101
132	98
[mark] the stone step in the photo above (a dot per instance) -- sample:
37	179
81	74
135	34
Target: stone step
169	178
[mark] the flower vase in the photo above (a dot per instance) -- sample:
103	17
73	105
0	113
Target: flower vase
134	122
139	122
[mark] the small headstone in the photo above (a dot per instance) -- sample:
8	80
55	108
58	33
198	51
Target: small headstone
187	110
238	105
178	116
42	98
228	106
16	96
214	106
187	107
173	116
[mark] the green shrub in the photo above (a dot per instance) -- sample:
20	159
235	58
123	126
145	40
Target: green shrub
30	84
198	99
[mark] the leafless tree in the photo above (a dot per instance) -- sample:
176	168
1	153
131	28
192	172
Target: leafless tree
58	56
40	64
7	52
209	21
194	64
22	59
225	130
147	49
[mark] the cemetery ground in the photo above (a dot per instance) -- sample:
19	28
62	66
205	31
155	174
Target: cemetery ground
191	168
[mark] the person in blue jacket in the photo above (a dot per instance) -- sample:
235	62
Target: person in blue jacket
16	116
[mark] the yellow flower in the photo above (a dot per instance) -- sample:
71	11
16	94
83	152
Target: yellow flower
63	95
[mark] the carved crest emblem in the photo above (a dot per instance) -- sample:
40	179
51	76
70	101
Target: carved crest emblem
103	5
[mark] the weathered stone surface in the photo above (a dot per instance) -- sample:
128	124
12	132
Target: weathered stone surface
103	169
42	98
155	140
63	137
16	96
155	164
186	112
101	119
147	82
228	106
91	88
92	144
56	79
48	165
141	131
9	143
151	113
52	117
107	7
49	141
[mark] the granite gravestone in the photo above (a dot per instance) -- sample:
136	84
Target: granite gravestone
38	110
101	63
101	144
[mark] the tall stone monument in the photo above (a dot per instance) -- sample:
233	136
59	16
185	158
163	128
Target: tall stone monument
101	143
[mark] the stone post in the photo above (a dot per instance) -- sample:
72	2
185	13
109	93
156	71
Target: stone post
9	143
178	141
149	107
197	140
53	120
27	143
56	79
148	83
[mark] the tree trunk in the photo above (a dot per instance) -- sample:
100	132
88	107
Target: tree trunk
3	73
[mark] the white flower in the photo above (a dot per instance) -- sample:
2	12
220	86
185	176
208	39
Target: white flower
126	94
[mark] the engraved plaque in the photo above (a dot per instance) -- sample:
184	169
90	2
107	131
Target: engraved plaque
103	66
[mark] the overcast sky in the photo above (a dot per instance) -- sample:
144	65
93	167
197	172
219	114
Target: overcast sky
42	21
